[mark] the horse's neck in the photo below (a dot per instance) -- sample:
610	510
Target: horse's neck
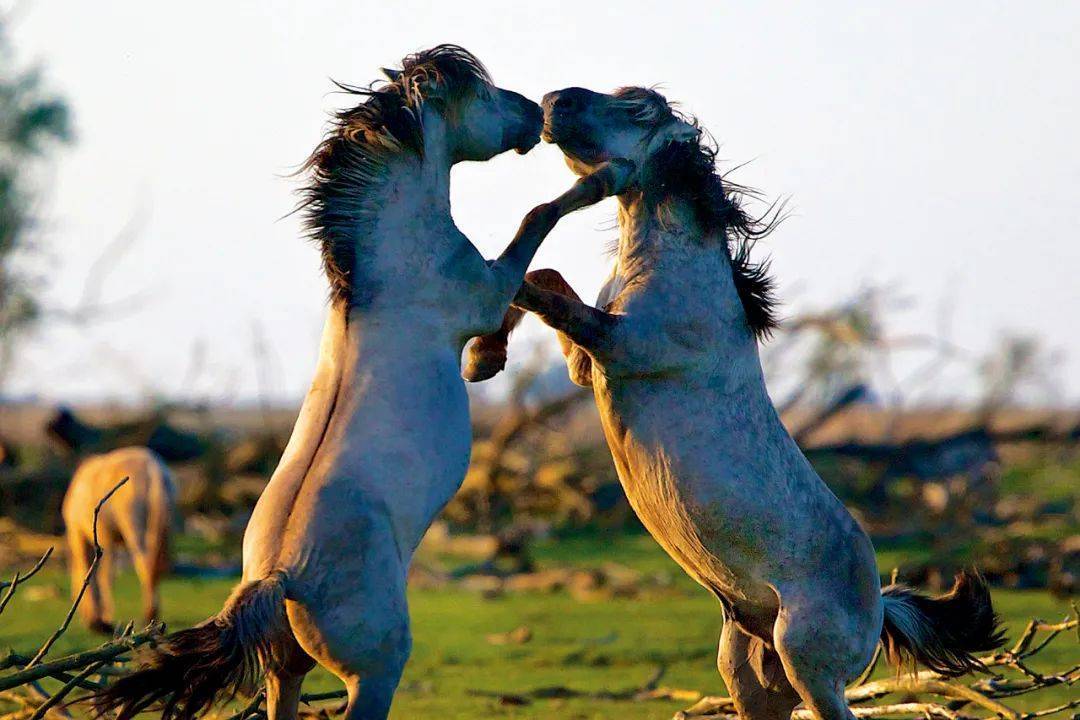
682	276
666	251
412	205
401	218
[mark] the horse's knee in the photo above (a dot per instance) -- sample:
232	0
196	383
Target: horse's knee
549	279
371	690
542	218
484	359
579	366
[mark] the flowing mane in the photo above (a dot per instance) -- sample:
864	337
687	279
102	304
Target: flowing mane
687	170
353	155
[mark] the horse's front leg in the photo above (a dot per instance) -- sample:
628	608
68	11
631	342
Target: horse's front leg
593	330
619	344
486	355
508	270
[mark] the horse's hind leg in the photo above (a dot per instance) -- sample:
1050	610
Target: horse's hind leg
96	604
284	680
819	657
146	569
754	676
282	695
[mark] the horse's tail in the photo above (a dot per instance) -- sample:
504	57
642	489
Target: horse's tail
162	511
191	670
942	633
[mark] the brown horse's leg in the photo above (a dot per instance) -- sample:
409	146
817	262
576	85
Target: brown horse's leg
94	607
146	569
486	355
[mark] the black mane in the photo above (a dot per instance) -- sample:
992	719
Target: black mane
687	170
358	144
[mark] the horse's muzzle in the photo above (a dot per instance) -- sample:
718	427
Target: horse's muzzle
529	135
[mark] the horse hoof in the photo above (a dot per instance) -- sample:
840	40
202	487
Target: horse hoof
483	366
105	628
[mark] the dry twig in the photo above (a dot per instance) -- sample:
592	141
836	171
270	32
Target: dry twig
91	571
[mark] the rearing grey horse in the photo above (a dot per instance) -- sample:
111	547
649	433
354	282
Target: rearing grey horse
383	438
671	355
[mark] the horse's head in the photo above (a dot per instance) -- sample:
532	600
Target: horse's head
490	121
482	120
633	123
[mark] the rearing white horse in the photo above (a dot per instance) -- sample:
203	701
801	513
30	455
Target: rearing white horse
671	355
383	438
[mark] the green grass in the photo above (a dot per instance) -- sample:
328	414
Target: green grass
612	645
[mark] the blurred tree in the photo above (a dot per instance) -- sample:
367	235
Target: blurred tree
32	123
1020	368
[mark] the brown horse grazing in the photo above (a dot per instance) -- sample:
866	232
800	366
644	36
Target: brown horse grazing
138	517
671	354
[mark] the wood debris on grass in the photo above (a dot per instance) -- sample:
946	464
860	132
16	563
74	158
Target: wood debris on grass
924	694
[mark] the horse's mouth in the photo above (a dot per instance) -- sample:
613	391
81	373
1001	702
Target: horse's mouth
553	132
573	145
526	145
529	135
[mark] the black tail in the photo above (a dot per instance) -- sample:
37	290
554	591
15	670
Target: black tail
192	670
942	633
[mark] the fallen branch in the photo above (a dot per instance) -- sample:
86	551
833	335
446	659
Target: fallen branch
109	651
983	693
12	586
63	692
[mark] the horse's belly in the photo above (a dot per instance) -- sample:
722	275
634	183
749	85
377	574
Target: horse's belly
718	537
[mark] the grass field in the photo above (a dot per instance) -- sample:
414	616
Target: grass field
611	644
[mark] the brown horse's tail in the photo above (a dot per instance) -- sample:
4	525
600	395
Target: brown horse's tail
191	670
942	633
162	514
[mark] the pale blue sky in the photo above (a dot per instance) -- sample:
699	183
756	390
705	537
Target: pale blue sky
930	145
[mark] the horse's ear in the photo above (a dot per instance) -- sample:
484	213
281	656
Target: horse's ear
681	131
391	74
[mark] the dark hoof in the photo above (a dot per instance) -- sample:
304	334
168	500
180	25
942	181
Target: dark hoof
105	628
481	366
